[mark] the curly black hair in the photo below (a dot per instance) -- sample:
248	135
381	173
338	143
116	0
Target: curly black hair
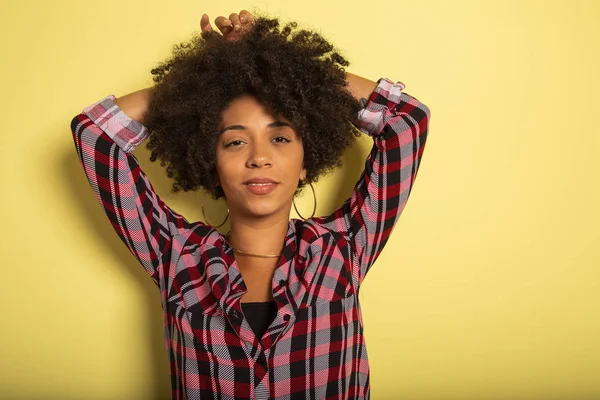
295	73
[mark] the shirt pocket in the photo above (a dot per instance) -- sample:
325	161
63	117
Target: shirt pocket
325	280
329	306
190	288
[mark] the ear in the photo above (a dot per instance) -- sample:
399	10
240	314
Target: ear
216	180
303	174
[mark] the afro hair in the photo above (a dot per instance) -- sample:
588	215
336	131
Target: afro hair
295	73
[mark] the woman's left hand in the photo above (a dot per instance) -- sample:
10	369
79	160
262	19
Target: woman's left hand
232	28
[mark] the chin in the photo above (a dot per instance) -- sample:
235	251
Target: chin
263	208
262	211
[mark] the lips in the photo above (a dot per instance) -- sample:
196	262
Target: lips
259	181
261	186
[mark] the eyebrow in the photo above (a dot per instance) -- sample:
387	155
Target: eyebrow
276	124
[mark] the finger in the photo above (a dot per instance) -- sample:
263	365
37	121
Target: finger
223	24
246	17
235	20
205	26
247	21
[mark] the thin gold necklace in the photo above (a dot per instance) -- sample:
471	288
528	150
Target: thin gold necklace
250	254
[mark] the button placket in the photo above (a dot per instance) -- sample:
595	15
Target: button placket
235	315
262	360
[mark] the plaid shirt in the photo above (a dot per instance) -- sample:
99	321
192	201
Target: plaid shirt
315	347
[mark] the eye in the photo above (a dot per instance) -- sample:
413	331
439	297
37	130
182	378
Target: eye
233	143
278	139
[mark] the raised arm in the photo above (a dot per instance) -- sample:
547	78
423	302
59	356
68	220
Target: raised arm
135	104
361	88
105	135
398	124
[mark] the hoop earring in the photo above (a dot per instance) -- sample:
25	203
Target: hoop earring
204	215
314	208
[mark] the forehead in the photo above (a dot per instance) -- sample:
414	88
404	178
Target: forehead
248	108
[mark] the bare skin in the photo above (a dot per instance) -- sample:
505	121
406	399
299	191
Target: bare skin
257	144
257	148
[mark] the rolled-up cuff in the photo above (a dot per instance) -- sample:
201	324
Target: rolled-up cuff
380	106
126	132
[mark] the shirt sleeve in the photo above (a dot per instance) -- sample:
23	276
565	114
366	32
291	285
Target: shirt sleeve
104	138
398	124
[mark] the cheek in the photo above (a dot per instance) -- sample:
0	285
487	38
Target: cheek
299	158
221	167
222	160
229	170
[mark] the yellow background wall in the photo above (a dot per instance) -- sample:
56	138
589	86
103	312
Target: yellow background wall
489	287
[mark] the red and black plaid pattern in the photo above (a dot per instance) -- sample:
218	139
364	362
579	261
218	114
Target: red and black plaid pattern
315	347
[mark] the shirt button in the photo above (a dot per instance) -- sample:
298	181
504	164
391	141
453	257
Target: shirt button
283	282
286	317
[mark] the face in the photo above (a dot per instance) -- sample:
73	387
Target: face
256	145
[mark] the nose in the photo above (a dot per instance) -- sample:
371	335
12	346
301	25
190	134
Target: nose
258	156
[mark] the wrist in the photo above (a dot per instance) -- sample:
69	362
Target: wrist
135	104
359	87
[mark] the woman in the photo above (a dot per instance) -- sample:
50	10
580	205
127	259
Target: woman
253	114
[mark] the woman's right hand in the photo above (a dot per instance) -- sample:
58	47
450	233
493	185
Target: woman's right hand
232	28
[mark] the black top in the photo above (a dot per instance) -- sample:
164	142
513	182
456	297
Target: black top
260	316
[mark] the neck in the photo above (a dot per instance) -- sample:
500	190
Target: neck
258	236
